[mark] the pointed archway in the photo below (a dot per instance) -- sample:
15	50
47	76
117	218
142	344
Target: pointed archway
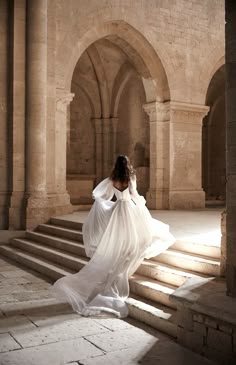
146	71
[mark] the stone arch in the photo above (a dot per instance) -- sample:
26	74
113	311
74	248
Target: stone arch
102	82
212	64
143	59
213	138
134	44
121	80
95	111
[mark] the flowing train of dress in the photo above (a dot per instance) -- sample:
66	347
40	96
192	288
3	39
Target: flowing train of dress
117	237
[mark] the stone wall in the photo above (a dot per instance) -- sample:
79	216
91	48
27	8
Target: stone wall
190	48
174	47
206	319
175	63
208	335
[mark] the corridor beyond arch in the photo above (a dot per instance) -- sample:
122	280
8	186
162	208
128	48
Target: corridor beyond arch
214	140
106	115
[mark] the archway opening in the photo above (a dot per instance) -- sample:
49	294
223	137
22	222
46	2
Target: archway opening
111	83
213	142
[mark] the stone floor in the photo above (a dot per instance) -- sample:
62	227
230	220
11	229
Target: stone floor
197	226
37	330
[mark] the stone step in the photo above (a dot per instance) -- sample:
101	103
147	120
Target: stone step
197	248
56	256
144	310
185	261
64	244
38	264
152	289
157	316
71	234
165	273
62	222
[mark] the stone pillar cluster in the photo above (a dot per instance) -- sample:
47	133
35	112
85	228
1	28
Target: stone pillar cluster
175	155
63	100
4	156
36	109
105	139
45	188
16	209
231	146
157	196
185	156
36	112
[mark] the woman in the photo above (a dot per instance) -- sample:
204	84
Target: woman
117	237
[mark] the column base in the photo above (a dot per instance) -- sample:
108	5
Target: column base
39	209
17	211
157	199
4	205
194	199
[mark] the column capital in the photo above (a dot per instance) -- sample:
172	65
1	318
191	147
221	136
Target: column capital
63	98
157	111
181	110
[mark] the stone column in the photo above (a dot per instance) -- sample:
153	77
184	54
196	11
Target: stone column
107	152
4	143
231	146
157	195
98	149
16	210
223	245
185	190
36	111
63	99
114	123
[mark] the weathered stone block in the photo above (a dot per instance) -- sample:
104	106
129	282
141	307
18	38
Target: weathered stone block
193	341
198	318
200	329
219	340
211	322
185	318
227	328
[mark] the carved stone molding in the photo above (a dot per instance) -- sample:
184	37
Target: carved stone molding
63	99
157	112
188	112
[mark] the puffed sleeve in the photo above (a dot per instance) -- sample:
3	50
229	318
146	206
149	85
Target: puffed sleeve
104	190
138	199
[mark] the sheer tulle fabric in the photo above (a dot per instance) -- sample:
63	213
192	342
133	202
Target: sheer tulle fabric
117	237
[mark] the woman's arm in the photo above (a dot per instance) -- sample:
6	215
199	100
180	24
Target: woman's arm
104	190
138	199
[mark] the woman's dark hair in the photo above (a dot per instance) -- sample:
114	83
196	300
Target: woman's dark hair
122	170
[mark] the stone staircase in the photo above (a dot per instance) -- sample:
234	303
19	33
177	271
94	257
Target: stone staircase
56	249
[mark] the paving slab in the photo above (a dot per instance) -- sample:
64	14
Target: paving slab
59	331
21	323
54	354
122	339
159	353
7	343
113	324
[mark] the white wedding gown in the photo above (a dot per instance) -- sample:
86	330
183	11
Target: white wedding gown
117	236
